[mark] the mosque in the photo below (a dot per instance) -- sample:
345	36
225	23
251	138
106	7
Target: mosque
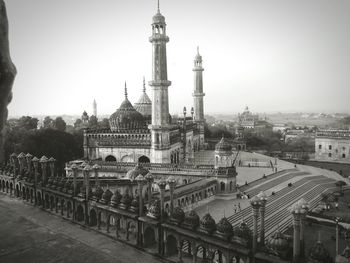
146	132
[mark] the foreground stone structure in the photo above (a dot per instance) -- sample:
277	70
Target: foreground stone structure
7	74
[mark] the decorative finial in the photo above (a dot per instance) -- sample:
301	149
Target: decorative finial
144	85
197	50
224	213
158	6
125	91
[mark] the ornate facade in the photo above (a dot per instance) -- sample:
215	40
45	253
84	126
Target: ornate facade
146	132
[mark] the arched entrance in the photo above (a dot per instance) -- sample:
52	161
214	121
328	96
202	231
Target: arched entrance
222	186
93	217
171	245
144	159
110	158
80	213
150	238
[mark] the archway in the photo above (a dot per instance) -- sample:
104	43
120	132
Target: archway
231	185
222	186
110	158
144	159
47	201
131	232
150	238
69	209
127	159
93	217
80	213
17	191
38	194
171	245
218	257
52	203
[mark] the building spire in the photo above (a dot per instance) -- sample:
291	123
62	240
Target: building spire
197	50
144	85
158	6
125	91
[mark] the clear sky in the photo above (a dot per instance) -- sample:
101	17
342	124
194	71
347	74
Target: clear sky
273	55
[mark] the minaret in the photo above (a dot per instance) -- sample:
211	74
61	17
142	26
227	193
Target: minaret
198	97
94	106
160	83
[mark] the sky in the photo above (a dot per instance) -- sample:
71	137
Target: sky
272	55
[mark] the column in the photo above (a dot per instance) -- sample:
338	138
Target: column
296	236
255	203
263	199
162	185
43	163
149	178
171	182
75	174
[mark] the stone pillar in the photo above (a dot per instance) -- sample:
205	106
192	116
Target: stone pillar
255	203
296	236
13	159
179	252
43	163
75	174
304	208
149	178
184	144
96	167
87	170
35	162
140	183
52	166
162	185
29	165
171	182
21	158
263	199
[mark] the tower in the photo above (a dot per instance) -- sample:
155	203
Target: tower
198	97
94	107
159	83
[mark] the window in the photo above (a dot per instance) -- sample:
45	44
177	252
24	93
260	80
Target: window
329	155
330	147
343	155
320	146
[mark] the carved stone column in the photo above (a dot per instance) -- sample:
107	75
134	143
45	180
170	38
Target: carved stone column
263	199
255	203
162	185
150	179
171	182
75	174
43	163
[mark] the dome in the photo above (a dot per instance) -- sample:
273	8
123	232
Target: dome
134	205
224	227
154	209
144	104
158	18
223	145
125	201
178	215
243	231
115	200
107	195
207	223
192	219
278	242
98	192
126	117
319	254
136	171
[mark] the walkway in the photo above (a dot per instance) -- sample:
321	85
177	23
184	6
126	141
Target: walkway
31	235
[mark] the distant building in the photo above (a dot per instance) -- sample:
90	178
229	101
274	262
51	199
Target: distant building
332	145
94	106
250	123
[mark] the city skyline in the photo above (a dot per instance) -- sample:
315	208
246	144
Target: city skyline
270	56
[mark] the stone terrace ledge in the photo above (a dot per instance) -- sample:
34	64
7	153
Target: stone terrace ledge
339	134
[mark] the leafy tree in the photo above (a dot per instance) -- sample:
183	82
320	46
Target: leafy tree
104	124
48	122
78	123
93	123
59	124
26	123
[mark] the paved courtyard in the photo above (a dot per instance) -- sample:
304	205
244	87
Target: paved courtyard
30	235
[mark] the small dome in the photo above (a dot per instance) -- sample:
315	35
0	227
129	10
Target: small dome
98	192
223	145
134	205
125	201
192	219
178	215
224	227
207	223
158	18
115	200
126	117
136	171
144	104
154	210
278	242
243	231
319	254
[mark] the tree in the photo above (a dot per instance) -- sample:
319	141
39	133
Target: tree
59	124
104	124
93	123
78	123
26	123
48	122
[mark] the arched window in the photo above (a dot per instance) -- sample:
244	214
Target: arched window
110	158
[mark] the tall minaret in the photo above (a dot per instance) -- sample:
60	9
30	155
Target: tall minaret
198	97
160	83
94	107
